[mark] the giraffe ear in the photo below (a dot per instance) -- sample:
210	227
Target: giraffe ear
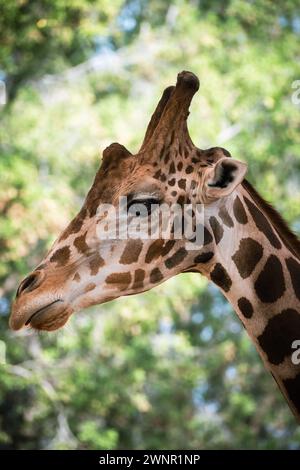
224	177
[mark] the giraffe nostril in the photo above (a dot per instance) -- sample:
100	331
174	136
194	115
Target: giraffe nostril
31	282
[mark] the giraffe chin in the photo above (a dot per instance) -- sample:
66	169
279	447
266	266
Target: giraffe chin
51	317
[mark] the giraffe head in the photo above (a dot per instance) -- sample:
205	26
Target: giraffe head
83	268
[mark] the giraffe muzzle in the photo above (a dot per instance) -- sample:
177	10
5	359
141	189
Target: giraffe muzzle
49	317
37	305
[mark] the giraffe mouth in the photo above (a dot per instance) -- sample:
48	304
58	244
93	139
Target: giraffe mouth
41	310
50	317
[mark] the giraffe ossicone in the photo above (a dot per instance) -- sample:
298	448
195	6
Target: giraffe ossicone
246	248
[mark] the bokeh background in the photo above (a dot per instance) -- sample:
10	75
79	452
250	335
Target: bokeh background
172	368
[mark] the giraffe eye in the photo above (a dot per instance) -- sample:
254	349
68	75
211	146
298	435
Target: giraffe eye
137	205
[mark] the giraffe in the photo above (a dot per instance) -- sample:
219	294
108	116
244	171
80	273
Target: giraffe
248	251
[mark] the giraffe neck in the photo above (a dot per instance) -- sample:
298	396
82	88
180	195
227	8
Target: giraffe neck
257	271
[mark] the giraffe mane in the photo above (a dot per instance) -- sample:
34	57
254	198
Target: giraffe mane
286	234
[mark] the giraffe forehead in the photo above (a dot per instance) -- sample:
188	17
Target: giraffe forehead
172	165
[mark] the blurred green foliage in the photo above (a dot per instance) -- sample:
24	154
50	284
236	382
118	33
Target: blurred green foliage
171	368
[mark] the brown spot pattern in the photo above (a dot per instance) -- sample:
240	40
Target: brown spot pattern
279	334
138	281
120	280
167	247
207	236
131	252
225	217
182	184
155	276
96	263
80	244
61	256
239	211
172	168
262	223
294	270
175	259
293	390
270	284
181	200
217	229
247	256
167	157
204	257
245	307
154	250
220	277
